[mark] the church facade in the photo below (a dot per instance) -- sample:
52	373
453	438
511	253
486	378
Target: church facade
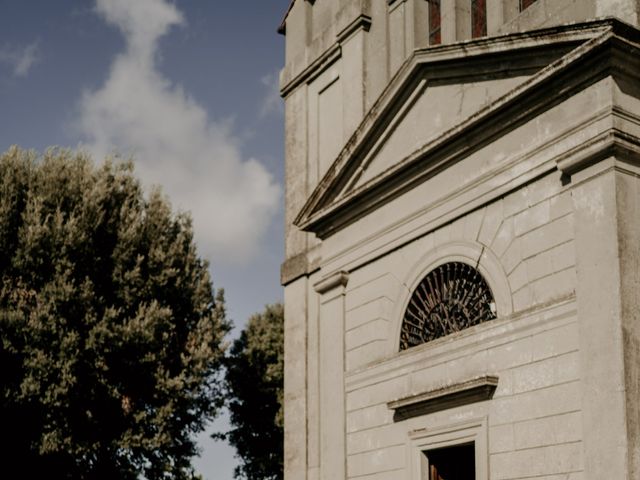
462	271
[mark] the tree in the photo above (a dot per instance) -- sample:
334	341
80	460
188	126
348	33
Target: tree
111	340
254	378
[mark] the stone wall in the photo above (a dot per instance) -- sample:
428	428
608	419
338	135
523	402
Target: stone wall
542	197
534	421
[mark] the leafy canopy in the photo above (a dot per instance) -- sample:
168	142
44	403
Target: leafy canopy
254	378
111	340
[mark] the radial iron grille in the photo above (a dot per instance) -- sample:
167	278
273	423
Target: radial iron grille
450	298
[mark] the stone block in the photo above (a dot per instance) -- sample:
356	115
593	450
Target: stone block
546	373
375	309
560	205
369	463
375	329
539	266
563	256
491	223
372	290
537	462
385	475
522	299
501	438
556	259
505	384
426	379
554	400
556	341
466	367
518	277
360	356
503	238
555	286
369	417
378	393
554	430
532	218
510	354
512	256
516	202
547	236
472	224
456	230
376	439
545	188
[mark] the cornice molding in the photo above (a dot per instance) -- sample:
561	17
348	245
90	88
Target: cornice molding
316	67
612	143
393	4
362	22
460	393
296	267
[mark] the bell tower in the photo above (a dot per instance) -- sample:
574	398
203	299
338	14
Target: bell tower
462	239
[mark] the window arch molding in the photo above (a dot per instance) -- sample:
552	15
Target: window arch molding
471	253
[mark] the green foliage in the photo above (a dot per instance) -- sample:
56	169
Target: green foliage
111	339
254	377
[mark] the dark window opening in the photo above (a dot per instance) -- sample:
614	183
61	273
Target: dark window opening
435	20
452	463
478	18
526	4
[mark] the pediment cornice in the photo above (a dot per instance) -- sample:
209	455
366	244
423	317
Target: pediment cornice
561	60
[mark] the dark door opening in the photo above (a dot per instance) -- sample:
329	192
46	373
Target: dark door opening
452	463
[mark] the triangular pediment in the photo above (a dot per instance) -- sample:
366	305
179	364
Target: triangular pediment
437	107
442	98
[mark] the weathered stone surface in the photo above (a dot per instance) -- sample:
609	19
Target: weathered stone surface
518	154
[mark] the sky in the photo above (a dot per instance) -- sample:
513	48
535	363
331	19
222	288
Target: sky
189	90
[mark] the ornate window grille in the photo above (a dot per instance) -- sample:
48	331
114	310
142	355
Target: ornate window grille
452	297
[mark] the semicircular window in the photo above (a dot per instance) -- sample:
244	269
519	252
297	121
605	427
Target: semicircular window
452	297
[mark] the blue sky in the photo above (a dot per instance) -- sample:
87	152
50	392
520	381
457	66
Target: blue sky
186	87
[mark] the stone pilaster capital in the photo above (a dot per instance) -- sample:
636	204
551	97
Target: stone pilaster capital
335	281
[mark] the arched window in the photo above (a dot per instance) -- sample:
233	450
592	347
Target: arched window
452	297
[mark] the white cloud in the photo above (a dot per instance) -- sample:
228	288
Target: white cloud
271	102
20	59
197	160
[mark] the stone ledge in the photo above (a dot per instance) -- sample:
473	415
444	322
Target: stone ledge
612	142
296	267
362	22
461	393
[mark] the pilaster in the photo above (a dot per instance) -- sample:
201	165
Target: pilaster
606	202
353	40
331	370
295	388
